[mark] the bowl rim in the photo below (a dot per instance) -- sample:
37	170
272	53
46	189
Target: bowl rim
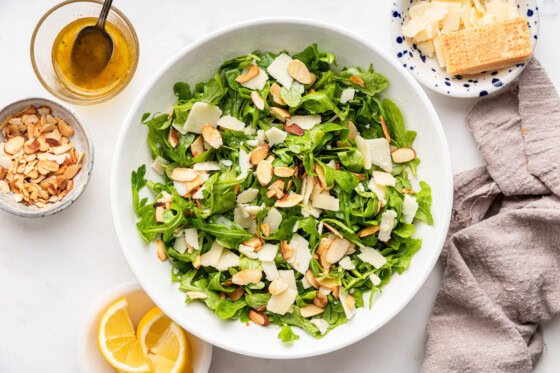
490	88
85	101
447	170
89	168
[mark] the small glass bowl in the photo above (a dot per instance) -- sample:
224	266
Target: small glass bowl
46	32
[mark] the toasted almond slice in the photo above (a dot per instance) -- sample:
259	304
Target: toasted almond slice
277	286
353	131
28	110
197	147
265	229
337	250
357	80
276	91
31	146
14	145
257	100
379	206
284	171
72	170
259	154
310	310
194	184
403	155
289	200
264	172
255	243
321	176
272	193
44	110
196	295
49	165
212	136
313	79
360	177
57	150
320	300
333	230
173	137
236	294
247	276
385	129
29	119
300	72
250	74
16	121
259	318
286	250
407	191
4	187
161	254
294	129
280	114
311	279
277	186
183	174
350	302
159	214
64	128
368	231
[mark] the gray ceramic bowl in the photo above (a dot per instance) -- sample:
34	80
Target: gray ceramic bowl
82	142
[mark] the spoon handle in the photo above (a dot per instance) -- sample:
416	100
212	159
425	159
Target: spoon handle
103	15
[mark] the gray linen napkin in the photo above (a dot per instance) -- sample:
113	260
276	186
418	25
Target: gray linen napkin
502	253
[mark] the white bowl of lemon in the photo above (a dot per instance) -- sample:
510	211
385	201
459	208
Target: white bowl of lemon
126	332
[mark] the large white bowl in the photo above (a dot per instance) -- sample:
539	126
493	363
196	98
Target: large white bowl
199	61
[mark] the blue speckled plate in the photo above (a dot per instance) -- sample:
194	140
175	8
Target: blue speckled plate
427	70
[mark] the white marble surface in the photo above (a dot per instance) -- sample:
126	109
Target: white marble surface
52	270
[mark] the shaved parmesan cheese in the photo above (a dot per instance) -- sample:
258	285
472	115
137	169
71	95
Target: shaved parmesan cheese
324	290
228	259
513	12
275	136
326	202
349	313
305	122
254	210
232	123
278	69
321	324
426	48
273	219
261	136
248	251
305	283
301	256
248	195
191	238
320	227
307	188
438	46
387	224
418	9
310	210
373	257
282	302
268	252
212	257
287	276
244	163
240	218
199	194
202	114
258	82
207	166
296	226
180	187
346	263
159	164
364	149
347	95
410	206
384	178
253	227
317	189
180	245
270	270
249	131
453	19
378	190
374	279
226	162
380	153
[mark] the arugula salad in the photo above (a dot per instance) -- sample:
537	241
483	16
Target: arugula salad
286	190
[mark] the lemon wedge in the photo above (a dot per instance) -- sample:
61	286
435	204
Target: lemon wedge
117	341
164	343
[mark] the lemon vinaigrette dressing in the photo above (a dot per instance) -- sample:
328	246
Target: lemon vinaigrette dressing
114	74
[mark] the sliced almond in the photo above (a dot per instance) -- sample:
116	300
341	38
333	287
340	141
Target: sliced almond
407	191
250	74
286	250
265	229
259	154
322	251
196	295
197	261
368	231
194	184
159	214
72	170
44	110
28	110
294	129
311	279
29	119
300	72
14	145
212	136
320	300
173	138
277	286
162	255
277	188
333	230
276	92
385	129
257	100
4	187
379	206
247	276
31	146
403	155
49	165
264	172
236	294
64	128
284	171
289	200
62	149
357	80
350	302
321	176
353	131
255	242
183	175
197	147
310	310
360	177
259	318
337	250
280	114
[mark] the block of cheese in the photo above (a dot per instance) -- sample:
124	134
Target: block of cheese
489	47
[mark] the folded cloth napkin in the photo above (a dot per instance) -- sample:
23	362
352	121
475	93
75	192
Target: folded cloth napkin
502	253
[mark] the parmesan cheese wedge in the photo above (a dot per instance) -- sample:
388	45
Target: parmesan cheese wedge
347	95
231	123
202	114
268	252
301	256
410	206
191	238
373	257
211	258
227	260
270	270
257	82
273	219
278	69
275	136
305	122
386	226
248	195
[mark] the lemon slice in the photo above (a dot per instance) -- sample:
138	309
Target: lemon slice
164	343
117	341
